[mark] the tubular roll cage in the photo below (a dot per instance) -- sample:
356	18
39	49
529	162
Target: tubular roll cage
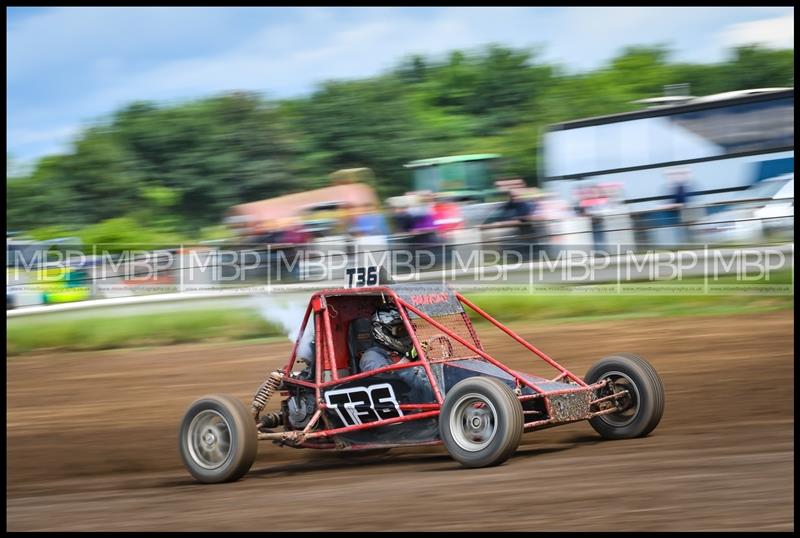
326	363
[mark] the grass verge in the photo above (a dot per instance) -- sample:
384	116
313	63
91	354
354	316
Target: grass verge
158	329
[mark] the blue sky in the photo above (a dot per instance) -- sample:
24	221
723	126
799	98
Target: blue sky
68	67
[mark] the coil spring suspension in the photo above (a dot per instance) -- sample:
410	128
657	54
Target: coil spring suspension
265	392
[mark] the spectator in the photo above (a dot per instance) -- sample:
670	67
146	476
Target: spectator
295	235
515	209
422	214
446	216
681	191
403	222
368	221
519	208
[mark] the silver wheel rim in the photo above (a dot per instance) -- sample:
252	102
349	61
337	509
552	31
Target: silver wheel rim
627	415
209	439
473	422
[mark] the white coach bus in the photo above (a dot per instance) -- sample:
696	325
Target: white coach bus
718	144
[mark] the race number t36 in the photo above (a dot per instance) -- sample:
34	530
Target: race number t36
359	277
359	405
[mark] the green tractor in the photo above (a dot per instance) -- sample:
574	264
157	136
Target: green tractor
462	176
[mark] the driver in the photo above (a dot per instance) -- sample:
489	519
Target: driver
393	344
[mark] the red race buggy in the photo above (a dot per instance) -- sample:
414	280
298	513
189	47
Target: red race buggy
455	392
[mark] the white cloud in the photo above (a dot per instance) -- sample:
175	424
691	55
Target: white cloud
585	38
777	32
341	52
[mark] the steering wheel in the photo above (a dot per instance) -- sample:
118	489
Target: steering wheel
445	345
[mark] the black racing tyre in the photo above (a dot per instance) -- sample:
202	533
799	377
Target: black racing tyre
481	422
218	439
642	409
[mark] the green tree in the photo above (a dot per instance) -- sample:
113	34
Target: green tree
151	169
358	124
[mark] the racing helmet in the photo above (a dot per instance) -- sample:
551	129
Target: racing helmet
388	329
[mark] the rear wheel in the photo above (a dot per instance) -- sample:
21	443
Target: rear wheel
218	439
641	409
481	422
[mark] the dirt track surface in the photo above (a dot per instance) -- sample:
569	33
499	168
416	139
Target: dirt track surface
92	444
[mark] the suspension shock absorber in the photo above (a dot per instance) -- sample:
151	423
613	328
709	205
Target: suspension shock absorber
265	392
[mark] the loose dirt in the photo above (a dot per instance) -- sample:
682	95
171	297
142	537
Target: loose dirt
92	444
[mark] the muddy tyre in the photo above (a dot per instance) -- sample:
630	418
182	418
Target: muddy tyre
218	439
481	422
642	409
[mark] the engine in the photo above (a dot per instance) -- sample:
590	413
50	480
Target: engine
299	407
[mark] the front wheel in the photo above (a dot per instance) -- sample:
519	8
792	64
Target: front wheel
640	410
481	422
218	439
